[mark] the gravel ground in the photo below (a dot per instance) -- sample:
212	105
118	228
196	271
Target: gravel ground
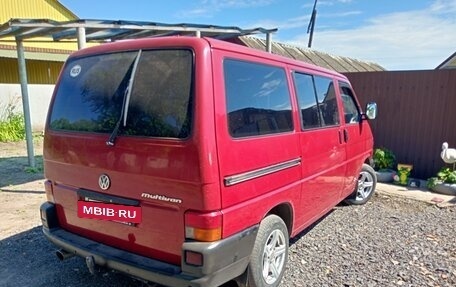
388	242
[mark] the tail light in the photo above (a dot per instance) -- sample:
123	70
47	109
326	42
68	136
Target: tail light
203	226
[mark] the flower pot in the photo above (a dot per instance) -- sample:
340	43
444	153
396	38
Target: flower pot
445	188
385	175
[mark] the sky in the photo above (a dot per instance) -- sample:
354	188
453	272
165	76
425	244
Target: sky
397	34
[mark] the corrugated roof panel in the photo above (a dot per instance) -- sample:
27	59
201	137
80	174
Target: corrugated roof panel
336	63
253	42
332	61
346	64
315	57
449	63
297	54
279	50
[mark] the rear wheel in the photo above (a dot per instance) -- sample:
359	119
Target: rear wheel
270	253
365	187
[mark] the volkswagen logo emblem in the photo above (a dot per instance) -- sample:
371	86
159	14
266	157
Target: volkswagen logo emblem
104	182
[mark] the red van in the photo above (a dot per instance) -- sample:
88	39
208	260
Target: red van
191	161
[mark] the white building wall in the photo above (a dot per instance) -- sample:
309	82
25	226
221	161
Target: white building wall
39	99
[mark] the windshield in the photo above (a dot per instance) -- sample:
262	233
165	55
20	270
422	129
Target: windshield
92	91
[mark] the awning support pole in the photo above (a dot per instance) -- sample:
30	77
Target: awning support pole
81	38
268	42
25	101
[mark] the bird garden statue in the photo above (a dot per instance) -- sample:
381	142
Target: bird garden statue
448	154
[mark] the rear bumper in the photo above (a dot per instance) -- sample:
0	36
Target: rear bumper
223	260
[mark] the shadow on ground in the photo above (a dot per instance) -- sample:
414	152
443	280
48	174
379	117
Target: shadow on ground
28	259
16	170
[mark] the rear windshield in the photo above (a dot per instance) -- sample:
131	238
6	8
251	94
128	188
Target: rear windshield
149	93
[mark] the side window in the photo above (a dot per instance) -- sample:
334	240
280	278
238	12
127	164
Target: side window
317	101
351	110
327	101
305	90
257	98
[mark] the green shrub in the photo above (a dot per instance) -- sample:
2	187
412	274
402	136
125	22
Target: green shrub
445	175
12	127
384	159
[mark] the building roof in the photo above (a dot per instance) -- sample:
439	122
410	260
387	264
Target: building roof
449	63
37	9
51	9
336	63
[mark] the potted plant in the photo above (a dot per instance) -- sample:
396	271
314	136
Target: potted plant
444	183
384	160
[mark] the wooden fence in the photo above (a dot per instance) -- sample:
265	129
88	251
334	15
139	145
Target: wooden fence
417	113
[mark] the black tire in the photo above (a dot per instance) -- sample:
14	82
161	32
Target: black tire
365	187
270	253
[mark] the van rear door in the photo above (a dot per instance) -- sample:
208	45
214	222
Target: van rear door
119	132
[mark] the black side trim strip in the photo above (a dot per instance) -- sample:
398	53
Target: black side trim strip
238	178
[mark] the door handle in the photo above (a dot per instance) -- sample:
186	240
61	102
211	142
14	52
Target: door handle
346	137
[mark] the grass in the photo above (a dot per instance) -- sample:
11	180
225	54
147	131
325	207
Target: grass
38	166
12	126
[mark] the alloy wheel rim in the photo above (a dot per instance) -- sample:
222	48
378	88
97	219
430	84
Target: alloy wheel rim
365	185
274	256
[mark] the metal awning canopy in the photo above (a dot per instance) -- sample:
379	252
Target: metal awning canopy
108	30
101	31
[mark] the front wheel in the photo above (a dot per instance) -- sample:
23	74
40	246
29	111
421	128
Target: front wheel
365	187
270	253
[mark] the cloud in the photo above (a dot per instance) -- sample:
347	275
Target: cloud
236	3
419	39
444	6
209	8
326	3
301	21
290	23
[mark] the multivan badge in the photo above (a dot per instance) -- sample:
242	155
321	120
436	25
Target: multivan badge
104	182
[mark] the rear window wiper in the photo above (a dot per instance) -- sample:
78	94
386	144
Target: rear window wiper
125	103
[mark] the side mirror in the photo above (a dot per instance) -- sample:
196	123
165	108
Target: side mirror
371	111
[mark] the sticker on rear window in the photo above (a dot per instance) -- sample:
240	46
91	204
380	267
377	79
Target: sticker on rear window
74	72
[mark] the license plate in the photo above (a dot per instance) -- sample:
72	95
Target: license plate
109	211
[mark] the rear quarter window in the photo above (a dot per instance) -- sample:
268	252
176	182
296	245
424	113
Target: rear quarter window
257	98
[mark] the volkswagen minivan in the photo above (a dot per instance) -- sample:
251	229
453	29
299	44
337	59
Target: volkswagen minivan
191	161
